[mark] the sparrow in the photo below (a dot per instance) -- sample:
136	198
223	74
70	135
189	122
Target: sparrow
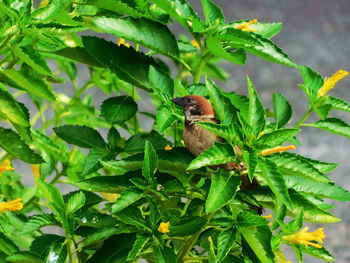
197	139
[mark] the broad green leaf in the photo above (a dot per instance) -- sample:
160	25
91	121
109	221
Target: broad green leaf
165	117
338	104
197	89
282	109
24	257
275	180
134	72
323	167
82	136
57	253
6	245
113	138
75	202
41	244
224	110
219	153
229	132
53	196
333	125
163	254
251	159
312	82
267	30
241	102
318	189
216	48
33	58
139	245
223	188
248	219
31	82
321	253
293	164
77	54
226	241
100	234
132	216
108	184
94	158
259	240
120	167
128	196
277	137
12	109
213	14
146	32
257	112
14	145
186	226
150	162
118	109
161	83
37	221
137	142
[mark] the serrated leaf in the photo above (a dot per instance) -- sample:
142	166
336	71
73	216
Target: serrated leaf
76	54
267	30
333	125
318	189
127	197
36	222
57	253
118	109
257	114
75	202
338	104
82	136
186	226
140	243
92	161
113	137
108	184
226	240
219	153
49	11
150	162
248	219
165	117
146	32
312	82
132	216
31	82
14	145
161	83
241	102
321	253
121	7
238	56
137	142
53	197
275	180
229	132
41	244
277	137
224	110
213	14
251	159
282	109
134	72
100	234
163	254
12	109
293	164
24	257
223	188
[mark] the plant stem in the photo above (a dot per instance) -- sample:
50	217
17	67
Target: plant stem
204	60
306	115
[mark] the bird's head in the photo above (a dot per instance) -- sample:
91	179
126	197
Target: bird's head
195	107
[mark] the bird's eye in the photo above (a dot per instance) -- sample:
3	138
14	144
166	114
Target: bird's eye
189	100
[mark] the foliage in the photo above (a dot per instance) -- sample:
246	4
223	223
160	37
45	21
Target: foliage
127	180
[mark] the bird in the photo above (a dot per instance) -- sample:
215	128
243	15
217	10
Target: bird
197	139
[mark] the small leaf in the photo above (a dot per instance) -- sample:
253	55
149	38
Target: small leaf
213	14
248	219
251	159
137	142
132	216
277	137
321	253
150	162
127	197
108	184
53	196
186	226
216	48
118	109
82	136
333	125
12	109
338	104
75	202
24	257
113	138
139	245
312	82
100	234
231	133
282	108
226	241
165	117
37	221
223	188
267	30
14	145
92	161
161	83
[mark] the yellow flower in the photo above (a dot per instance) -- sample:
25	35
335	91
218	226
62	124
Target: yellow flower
164	227
13	205
330	82
245	26
195	43
267	216
168	147
110	196
36	171
304	238
6	166
122	42
277	149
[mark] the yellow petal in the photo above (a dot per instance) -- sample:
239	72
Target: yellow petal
329	83
122	42
168	147
164	227
195	43
13	205
6	166
277	149
245	26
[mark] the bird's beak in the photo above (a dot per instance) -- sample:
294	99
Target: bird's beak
179	101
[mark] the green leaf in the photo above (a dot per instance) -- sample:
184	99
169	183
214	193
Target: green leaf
118	109
36	222
223	188
108	184
49	11
241	102
82	136
78	54
277	137
120	167
93	160
318	189
259	240
257	112
230	133
267	30
53	196
33	58
41	244
216	48
219	153
146	32
165	117
186	226
251	159
162	83
31	82
12	109
213	14
14	145
113	137
163	254
323	167
121	7
293	164
150	162
226	241
333	125
248	219
57	253
75	202
338	104
138	247
137	142
101	234
282	109
24	257
132	216
134	72
321	253
312	82
128	196
275	180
